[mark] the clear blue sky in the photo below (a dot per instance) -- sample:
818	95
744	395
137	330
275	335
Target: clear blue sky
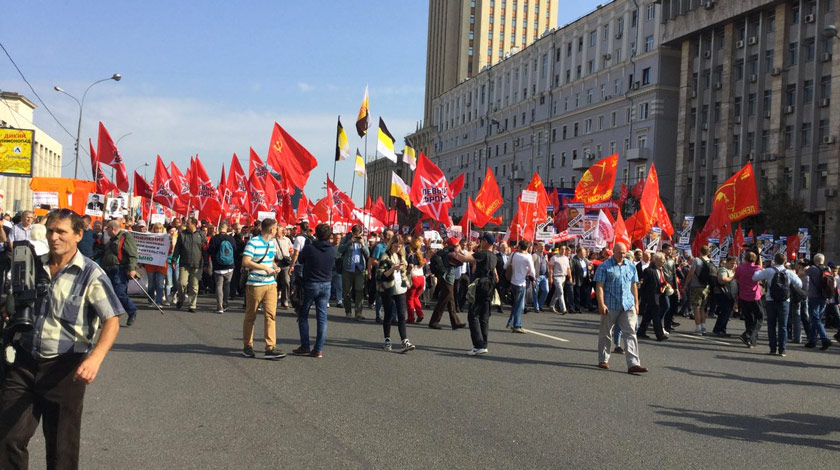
211	77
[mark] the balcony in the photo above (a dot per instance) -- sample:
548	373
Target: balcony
638	154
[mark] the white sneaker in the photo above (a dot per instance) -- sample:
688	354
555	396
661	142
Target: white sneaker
472	352
407	346
481	351
387	344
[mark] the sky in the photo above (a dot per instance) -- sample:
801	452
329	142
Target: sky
212	77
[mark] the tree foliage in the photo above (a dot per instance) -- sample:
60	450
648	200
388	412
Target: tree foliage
780	213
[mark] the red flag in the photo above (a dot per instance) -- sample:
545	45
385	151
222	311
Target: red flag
256	196
716	227
141	187
290	158
637	189
457	185
487	201
621	232
662	219
237	182
650	195
468	218
93	159
792	246
554	201
738	241
205	198
305	211
638	226
368	204
108	154
739	194
323	208
623	196
180	185
342	205
103	184
380	211
430	191
162	188
597	182
256	166
537	211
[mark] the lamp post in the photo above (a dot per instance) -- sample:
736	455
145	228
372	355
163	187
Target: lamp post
830	31
116	77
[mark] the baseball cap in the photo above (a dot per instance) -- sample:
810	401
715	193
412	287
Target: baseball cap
489	238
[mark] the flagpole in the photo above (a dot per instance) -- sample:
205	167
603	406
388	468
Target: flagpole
337	150
326	193
364	199
352	184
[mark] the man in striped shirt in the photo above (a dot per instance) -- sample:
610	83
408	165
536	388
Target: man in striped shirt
258	259
53	361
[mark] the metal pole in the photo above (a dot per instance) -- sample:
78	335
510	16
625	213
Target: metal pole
147	295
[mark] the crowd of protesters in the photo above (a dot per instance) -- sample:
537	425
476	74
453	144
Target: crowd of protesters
401	277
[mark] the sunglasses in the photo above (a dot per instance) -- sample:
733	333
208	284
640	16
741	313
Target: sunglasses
62	213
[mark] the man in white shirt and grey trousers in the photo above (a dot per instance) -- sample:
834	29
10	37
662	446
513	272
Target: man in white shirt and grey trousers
521	266
777	301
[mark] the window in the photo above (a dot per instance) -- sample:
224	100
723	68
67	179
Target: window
593	38
793	53
577	100
788	137
575	133
768	59
646	76
765	140
771	22
739	69
562	158
752	65
825	87
692	119
606	32
790	94
642	141
589	96
794	15
750	141
649	43
808	91
751	104
601	122
736	144
651	11
472	35
805	135
590	67
736	106
470	51
643	111
824	129
588	125
822	173
768	100
717	112
472	20
704	114
787	177
634	19
810	49
580	44
612	118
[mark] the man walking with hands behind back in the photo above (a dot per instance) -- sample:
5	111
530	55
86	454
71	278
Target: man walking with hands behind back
119	260
617	294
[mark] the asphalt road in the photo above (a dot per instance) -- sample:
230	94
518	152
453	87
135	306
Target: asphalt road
175	393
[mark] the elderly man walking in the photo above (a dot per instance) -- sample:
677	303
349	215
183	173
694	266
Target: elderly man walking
617	294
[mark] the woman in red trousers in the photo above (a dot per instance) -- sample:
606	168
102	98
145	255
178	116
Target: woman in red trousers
418	280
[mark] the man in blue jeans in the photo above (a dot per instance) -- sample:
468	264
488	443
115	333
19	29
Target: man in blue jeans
540	285
521	265
777	302
318	260
816	303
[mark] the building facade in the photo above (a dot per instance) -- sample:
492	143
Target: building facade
467	35
379	176
756	86
600	85
18	112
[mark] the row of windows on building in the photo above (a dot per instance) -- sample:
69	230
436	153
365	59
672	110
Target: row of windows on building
785	179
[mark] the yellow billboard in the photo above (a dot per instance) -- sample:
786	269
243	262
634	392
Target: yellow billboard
16	151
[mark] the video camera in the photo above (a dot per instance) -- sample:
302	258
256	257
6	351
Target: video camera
29	284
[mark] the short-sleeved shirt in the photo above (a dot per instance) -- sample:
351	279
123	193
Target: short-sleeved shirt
559	265
285	247
748	289
19	233
300	242
697	263
79	297
618	280
261	252
485	264
523	265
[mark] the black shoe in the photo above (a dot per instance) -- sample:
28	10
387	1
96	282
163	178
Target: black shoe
192	310
837	336
275	353
248	351
130	320
675	324
662	338
810	345
745	340
722	334
825	345
618	350
179	304
379	320
434	326
642	336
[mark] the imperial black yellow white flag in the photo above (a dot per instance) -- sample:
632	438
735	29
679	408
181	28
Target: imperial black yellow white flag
363	121
342	146
409	155
360	164
385	142
399	189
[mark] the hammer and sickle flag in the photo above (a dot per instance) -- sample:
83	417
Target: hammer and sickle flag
596	184
738	194
290	158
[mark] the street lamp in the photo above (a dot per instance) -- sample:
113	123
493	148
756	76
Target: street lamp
116	77
830	31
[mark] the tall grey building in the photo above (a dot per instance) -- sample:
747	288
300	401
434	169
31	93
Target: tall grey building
600	85
755	83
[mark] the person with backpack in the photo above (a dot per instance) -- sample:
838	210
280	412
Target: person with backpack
822	287
749	298
221	248
484	262
445	264
778	280
353	257
119	261
725	292
697	283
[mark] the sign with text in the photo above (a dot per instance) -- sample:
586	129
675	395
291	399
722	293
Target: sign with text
152	248
16	152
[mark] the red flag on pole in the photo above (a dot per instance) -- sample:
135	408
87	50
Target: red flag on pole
141	187
256	196
621	232
206	197
596	184
103	184
650	195
430	191
162	189
457	185
662	218
108	154
738	241
487	201
256	166
739	194
290	158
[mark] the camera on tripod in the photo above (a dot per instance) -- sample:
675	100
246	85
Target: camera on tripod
29	284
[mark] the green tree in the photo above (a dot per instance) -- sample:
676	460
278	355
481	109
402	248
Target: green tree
781	214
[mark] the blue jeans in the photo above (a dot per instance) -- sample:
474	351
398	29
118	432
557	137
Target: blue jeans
816	309
171	280
336	291
540	291
155	286
119	279
798	320
319	294
724	311
777	318
377	304
518	306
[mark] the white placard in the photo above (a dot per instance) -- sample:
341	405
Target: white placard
95	206
262	215
45	199
115	207
529	196
157	219
152	248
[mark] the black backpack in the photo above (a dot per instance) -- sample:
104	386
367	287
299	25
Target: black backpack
780	286
828	284
708	273
438	263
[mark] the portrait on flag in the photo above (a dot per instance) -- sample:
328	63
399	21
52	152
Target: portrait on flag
116	207
575	217
95	206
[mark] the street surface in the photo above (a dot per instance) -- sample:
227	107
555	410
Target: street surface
176	393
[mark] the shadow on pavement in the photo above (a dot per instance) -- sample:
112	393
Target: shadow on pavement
799	429
756	380
779	362
175	348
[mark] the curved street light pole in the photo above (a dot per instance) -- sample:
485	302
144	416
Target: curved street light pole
116	77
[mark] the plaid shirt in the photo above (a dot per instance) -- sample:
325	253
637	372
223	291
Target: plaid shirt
79	297
618	280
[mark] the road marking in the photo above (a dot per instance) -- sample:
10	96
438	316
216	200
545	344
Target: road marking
545	335
701	338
